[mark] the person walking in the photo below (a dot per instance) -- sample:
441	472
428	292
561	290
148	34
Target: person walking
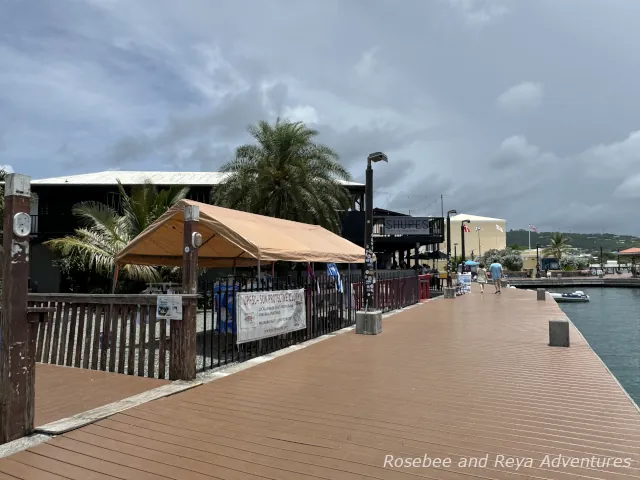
496	275
482	277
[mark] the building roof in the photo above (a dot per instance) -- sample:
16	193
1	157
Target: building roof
631	251
475	218
110	177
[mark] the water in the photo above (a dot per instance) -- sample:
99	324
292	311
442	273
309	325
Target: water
611	324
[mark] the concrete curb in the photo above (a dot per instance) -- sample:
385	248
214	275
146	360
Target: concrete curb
91	416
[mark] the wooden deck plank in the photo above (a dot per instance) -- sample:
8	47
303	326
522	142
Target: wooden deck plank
65	470
450	379
63	391
26	472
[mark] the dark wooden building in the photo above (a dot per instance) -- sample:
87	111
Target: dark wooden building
391	248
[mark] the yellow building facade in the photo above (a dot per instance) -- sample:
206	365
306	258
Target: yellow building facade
492	234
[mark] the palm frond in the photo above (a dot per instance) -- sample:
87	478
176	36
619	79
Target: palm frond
104	232
286	174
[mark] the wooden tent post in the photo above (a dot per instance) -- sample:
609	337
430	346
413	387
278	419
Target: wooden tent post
183	333
114	280
17	335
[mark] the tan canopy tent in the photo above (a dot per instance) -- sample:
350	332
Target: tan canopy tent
233	238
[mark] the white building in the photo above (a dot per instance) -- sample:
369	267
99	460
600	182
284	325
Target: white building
486	233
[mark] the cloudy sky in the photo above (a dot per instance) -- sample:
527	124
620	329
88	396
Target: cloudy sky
527	110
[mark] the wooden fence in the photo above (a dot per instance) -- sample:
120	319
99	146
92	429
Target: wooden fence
115	333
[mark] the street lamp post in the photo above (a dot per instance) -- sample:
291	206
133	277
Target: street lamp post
369	268
455	254
464	256
449	213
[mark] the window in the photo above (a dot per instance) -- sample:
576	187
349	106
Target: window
114	200
202	197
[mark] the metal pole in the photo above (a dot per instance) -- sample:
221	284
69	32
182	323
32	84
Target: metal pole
448	251
537	260
601	260
17	334
464	256
479	249
259	275
368	239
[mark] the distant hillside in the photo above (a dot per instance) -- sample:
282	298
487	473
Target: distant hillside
587	241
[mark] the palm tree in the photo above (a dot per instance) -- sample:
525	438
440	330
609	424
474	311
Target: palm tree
104	232
286	175
558	246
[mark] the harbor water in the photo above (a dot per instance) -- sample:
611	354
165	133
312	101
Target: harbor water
611	324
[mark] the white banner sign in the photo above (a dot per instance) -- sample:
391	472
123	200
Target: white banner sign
267	314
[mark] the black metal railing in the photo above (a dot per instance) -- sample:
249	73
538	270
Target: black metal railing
329	306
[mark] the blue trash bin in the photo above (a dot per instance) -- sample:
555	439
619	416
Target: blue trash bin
224	304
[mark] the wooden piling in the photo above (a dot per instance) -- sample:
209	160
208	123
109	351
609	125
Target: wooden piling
183	333
17	335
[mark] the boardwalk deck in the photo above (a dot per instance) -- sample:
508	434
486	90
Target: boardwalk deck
449	379
62	391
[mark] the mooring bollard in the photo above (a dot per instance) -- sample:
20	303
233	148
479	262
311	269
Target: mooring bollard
542	294
558	333
369	323
449	292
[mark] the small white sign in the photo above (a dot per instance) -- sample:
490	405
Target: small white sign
169	307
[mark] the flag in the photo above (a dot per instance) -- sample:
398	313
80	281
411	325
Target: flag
498	227
534	228
312	275
478	229
332	271
466	229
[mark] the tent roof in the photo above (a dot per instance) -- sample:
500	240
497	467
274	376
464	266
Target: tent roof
234	238
631	251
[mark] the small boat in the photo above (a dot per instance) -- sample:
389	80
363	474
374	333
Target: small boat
577	296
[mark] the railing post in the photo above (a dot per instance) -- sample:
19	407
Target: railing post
183	333
17	352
